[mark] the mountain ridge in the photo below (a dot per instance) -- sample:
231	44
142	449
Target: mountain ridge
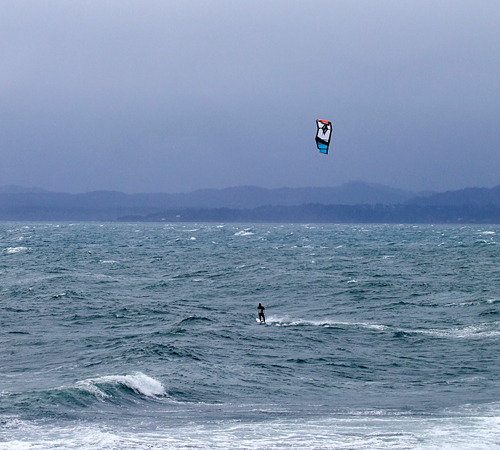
234	197
467	196
31	204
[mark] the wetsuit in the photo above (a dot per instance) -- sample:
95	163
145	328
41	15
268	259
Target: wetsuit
261	313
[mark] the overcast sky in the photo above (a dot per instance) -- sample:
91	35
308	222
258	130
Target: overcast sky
172	96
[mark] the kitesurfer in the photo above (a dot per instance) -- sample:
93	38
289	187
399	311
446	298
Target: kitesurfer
261	313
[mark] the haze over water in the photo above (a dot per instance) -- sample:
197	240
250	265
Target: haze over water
177	96
144	336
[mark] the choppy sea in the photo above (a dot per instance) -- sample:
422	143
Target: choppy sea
144	336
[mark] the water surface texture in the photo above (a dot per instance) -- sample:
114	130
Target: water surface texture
144	336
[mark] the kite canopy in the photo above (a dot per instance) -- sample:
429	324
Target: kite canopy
323	135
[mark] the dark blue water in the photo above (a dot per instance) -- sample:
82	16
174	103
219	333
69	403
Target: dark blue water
127	336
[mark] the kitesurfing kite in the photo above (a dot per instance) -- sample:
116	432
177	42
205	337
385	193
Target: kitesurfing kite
323	135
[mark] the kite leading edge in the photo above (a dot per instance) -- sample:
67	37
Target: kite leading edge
323	135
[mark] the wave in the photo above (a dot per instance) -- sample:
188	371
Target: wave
476	331
287	322
195	319
244	233
196	273
15	249
479	331
468	427
139	383
115	390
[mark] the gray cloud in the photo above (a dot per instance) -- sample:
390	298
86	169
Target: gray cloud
174	96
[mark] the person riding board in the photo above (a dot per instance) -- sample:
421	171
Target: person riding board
261	313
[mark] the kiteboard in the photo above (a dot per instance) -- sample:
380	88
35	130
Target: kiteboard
259	321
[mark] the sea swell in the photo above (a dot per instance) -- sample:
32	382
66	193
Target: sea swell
136	336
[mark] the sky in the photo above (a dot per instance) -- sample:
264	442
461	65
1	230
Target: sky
174	95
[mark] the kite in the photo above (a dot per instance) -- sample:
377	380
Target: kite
323	135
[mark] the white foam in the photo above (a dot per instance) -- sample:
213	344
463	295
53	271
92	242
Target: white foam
372	326
89	386
458	429
243	233
16	249
138	382
462	304
478	331
287	322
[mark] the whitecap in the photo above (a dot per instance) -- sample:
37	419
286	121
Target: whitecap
372	326
138	382
469	427
16	249
462	304
243	233
469	332
288	322
275	319
90	387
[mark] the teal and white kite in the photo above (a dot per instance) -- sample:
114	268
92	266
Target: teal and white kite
323	135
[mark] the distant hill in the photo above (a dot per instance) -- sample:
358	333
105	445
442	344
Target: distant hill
315	213
18	203
469	196
351	202
352	193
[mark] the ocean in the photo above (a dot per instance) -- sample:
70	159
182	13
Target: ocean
145	336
